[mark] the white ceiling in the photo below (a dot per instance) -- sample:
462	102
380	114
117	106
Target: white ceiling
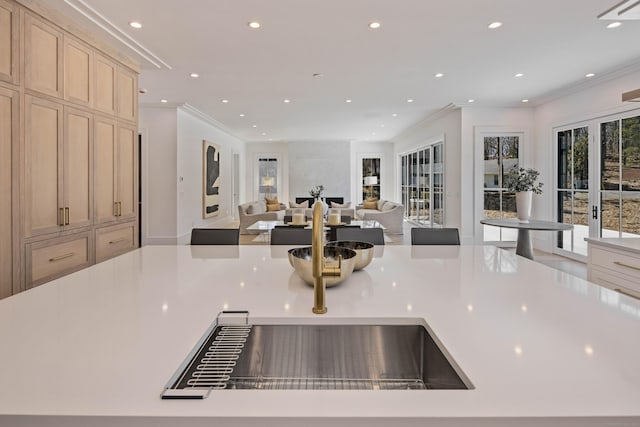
554	43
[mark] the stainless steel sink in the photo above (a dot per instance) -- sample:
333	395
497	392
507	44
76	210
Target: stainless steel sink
318	357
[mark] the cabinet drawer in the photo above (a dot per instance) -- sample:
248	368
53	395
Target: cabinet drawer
614	281
116	240
49	260
616	261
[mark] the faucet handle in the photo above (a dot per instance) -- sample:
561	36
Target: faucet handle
333	271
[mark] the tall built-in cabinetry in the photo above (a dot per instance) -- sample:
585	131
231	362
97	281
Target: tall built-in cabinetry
68	154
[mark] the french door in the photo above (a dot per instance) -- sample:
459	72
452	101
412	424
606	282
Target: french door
598	181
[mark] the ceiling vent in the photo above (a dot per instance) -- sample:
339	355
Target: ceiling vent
631	96
626	10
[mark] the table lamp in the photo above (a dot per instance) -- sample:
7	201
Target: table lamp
370	181
268	182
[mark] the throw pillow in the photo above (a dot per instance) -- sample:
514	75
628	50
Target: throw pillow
271	201
370	204
381	204
340	205
388	206
304	204
256	208
273	207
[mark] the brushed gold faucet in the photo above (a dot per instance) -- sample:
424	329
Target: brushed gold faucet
320	271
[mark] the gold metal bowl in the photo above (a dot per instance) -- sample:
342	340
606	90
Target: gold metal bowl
300	260
364	251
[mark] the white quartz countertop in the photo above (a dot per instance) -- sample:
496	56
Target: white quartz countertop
630	244
541	347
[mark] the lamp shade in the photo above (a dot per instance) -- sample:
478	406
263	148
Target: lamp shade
268	181
370	180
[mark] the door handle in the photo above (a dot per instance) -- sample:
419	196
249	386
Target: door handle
66	216
594	212
61	217
115	208
119	208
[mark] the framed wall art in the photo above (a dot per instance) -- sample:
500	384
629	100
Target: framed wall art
211	179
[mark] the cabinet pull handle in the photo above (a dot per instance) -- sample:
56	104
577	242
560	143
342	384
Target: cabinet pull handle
66	216
113	242
60	257
629	294
622	264
115	208
119	208
61	217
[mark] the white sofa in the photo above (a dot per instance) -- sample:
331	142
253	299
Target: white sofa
387	213
251	212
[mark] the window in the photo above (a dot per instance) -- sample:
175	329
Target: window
267	177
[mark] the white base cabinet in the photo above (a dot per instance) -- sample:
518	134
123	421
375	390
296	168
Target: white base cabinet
615	264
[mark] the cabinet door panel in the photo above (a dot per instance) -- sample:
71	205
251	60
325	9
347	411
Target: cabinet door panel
43	135
77	172
8	42
104	169
105	85
127	172
43	68
127	95
78	72
53	258
8	116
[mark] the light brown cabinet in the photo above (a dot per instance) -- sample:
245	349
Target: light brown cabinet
104	84
58	155
68	148
127	90
8	42
78	72
43	57
115	240
115	171
51	258
8	140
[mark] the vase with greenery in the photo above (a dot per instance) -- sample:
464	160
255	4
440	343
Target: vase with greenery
316	191
523	182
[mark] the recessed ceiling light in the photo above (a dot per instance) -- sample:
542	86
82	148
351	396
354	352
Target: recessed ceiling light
348	101
225	101
264	133
518	75
495	25
286	101
589	75
438	75
253	24
374	25
254	126
394	114
135	24
471	100
409	100
194	75
241	115
164	101
525	100
614	25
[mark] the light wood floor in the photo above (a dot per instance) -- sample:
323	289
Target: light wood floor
567	265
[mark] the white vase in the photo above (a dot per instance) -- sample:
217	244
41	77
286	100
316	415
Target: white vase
523	205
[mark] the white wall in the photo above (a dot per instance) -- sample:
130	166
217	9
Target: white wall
384	150
314	163
254	150
159	170
172	173
442	127
192	130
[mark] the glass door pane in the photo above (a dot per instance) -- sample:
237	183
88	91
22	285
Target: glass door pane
501	155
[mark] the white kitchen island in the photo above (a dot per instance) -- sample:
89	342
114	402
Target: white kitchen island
541	347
